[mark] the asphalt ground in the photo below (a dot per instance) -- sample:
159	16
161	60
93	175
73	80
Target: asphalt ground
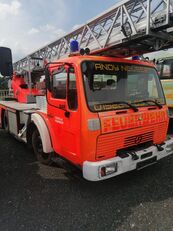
37	197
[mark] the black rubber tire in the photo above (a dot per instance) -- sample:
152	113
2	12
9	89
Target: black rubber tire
5	121
42	157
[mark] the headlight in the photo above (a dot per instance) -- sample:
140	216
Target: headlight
108	169
169	147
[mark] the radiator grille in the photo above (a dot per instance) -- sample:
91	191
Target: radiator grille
139	139
108	144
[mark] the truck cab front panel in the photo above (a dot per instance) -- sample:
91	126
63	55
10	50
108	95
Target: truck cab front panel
131	130
128	101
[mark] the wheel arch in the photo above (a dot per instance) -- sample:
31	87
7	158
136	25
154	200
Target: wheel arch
37	122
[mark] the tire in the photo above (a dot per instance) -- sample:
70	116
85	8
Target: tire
5	120
42	157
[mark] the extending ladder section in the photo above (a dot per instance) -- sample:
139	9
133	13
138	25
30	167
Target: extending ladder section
128	28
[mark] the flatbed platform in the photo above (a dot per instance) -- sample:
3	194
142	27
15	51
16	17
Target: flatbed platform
18	106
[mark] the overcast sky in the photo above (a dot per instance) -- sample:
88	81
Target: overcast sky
26	25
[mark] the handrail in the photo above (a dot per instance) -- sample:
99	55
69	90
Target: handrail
4	93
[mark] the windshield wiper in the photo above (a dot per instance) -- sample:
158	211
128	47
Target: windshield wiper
135	109
151	101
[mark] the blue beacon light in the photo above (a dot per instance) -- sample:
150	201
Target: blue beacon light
136	58
74	46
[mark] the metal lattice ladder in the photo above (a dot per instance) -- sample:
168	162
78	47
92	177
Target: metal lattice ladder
130	27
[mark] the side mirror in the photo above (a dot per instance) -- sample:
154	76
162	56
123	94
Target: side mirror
6	67
47	79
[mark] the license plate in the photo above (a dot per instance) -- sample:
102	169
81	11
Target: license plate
146	163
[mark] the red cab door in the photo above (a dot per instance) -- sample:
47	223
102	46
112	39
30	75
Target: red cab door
64	113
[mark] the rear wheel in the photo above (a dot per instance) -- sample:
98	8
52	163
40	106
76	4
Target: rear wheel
44	158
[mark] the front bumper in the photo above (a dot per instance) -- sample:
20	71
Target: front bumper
92	170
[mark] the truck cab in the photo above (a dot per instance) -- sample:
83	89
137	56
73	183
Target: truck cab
101	109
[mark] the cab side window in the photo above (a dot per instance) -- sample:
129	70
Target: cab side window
72	90
59	84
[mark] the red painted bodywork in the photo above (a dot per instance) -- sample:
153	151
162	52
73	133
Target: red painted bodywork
20	88
71	137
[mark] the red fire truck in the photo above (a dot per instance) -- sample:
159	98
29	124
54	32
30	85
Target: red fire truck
104	115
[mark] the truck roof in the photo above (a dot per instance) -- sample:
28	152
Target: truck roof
79	58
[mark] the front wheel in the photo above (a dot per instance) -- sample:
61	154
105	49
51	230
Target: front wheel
44	158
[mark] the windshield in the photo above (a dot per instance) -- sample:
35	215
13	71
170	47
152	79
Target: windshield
111	86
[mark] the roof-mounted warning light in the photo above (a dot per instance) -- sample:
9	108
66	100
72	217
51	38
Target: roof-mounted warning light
74	49
74	46
136	57
85	51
